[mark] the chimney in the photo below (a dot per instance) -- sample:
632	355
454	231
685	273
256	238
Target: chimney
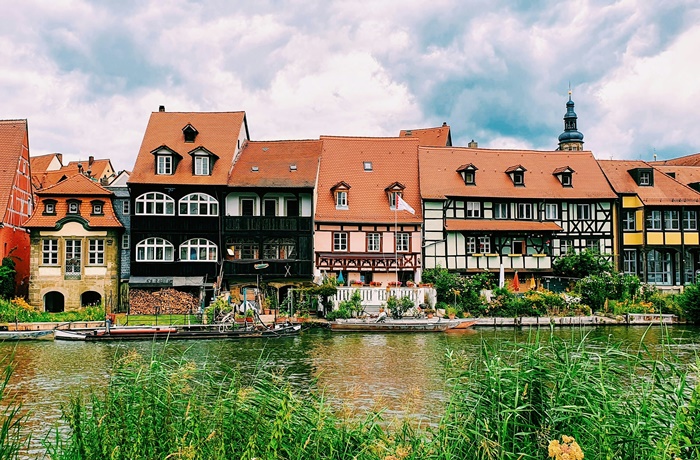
473	144
444	124
80	168
91	160
161	108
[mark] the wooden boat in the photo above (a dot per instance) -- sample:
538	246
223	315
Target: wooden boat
195	332
25	335
393	325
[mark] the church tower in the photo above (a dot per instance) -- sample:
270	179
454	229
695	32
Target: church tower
570	139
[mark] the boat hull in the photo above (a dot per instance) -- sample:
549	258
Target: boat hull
172	333
25	335
400	325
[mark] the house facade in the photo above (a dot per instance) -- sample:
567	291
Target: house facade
178	188
268	230
16	199
519	209
122	209
659	239
74	246
362	231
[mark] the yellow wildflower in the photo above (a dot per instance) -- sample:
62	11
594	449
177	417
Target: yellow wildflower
568	449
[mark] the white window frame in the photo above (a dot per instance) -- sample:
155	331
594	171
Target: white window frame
202	165
73	207
629	261
583	211
629	220
155	204
484	245
96	252
472	209
340	241
50	208
198	204
498	210
126	207
653	221
690	220
198	250
470	244
551	211
341	199
164	165
73	249
155	250
525	211
564	245
645	178
374	242
126	241
97	209
49	252
672	219
403	242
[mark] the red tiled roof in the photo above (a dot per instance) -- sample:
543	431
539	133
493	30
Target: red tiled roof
665	191
687	160
13	138
218	132
430	137
491	225
278	163
99	168
80	188
342	160
683	174
439	177
40	163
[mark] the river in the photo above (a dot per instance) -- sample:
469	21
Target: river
401	373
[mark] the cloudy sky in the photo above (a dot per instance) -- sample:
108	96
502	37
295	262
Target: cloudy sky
87	74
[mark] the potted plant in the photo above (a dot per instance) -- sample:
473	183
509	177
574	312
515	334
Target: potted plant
429	312
451	312
375	283
394	283
410	283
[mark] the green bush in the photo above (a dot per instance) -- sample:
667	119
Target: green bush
689	302
353	305
340	313
581	264
21	312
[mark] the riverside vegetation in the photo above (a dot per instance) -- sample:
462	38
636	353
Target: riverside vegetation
545	397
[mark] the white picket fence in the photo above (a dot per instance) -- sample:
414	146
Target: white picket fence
375	297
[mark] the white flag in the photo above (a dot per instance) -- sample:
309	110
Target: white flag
401	205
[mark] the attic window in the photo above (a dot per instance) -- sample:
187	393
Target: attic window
73	207
468	173
190	133
564	175
50	207
97	208
392	191
340	195
164	164
292	167
202	161
566	179
645	178
367	165
517	175
255	169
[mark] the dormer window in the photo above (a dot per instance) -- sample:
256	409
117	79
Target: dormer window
97	208
367	165
166	160
392	191
190	133
292	167
644	177
517	175
50	207
468	173
202	161
73	207
564	175
340	193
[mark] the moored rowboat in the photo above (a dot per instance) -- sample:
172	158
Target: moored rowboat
25	335
172	333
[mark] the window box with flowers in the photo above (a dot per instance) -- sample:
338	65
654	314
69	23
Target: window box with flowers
356	283
410	283
429	285
375	283
394	283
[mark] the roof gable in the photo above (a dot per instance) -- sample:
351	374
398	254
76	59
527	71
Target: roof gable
14	142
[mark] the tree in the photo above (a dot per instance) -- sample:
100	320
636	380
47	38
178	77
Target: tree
581	264
689	301
7	278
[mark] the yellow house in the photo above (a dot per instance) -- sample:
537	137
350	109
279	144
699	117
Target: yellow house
657	223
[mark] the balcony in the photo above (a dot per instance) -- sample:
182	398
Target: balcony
276	269
266	224
165	224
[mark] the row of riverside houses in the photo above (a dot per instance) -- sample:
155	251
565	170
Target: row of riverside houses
208	210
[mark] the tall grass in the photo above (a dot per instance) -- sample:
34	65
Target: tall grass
507	404
617	404
11	435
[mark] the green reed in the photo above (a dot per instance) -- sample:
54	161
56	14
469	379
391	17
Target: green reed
618	404
12	440
507	404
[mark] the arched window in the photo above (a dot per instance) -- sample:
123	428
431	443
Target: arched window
155	203
155	250
198	249
199	204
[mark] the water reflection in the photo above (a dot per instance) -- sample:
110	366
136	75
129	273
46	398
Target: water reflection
402	373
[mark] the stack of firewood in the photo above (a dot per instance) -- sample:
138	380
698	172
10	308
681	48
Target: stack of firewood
165	301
